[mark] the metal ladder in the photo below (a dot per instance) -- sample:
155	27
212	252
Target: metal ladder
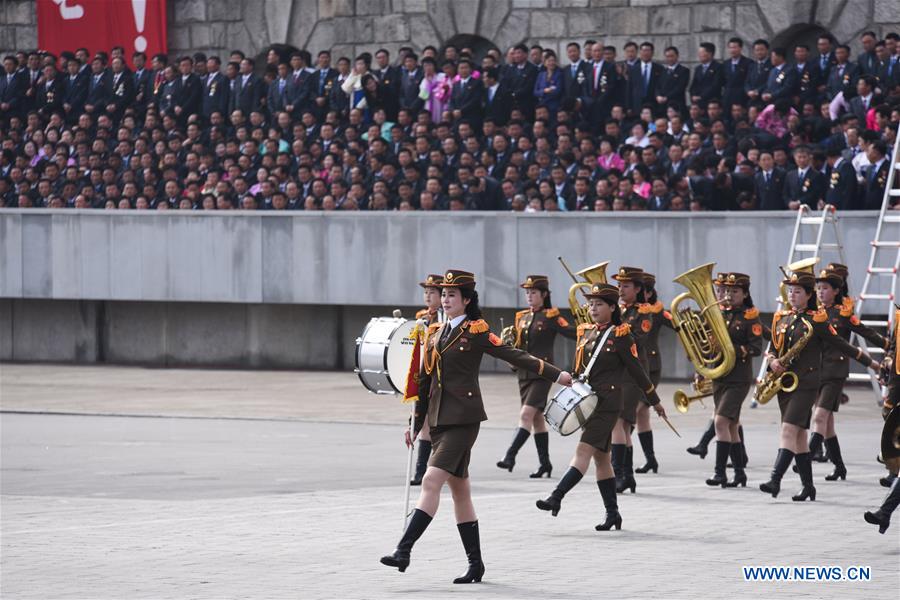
880	284
808	226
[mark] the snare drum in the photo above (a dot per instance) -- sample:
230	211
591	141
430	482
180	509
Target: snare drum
383	352
570	408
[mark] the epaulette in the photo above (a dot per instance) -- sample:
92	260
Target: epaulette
434	327
552	312
623	330
422	313
820	316
522	313
652	308
847	310
751	313
479	326
847	303
582	327
645	308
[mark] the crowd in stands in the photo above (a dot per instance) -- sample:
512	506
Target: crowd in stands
601	129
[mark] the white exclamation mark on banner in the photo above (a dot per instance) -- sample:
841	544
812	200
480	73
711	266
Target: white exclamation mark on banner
139	7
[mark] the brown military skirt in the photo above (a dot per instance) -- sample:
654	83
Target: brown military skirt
729	397
534	392
597	432
451	447
830	391
796	407
631	395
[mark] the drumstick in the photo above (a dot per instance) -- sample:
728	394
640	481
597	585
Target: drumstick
672	427
409	466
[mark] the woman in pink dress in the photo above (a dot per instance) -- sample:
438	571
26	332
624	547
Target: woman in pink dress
435	87
608	158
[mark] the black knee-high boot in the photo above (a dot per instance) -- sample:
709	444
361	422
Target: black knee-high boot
542	443
646	439
568	481
701	448
617	457
782	462
745	459
834	453
882	516
418	523
468	532
815	447
722	451
421	462
519	439
804	465
627	481
613	518
740	477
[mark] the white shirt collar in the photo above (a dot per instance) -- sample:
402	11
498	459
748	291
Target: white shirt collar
457	320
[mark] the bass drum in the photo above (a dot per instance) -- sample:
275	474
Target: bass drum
383	352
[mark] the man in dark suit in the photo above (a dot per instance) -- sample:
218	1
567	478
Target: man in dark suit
410	80
143	82
50	93
99	88
876	175
807	76
215	90
842	183
782	81
708	76
12	89
804	185
301	92
660	199
248	89
868	61
769	183
466	96
325	82
121	90
825	59
643	82
387	74
736	70
673	81
519	78
843	76
602	79
497	99
758	74
865	97
575	77
188	91
75	91
278	90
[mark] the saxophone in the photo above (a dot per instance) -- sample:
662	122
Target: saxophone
788	381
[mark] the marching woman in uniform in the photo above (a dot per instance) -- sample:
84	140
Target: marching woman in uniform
659	318
454	410
631	295
798	336
730	390
617	363
535	329
831	289
431	294
709	433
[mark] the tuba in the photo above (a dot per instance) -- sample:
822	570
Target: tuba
593	274
807	265
703	334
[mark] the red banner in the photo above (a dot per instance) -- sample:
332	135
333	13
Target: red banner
136	25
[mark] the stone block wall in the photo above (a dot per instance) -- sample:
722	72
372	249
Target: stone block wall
348	27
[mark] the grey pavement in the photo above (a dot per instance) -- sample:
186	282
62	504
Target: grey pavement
290	485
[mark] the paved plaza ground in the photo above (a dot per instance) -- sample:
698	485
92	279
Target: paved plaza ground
149	483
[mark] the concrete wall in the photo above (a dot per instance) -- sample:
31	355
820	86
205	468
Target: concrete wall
371	259
294	291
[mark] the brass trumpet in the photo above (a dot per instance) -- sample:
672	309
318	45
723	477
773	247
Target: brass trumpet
683	401
593	274
703	333
806	265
